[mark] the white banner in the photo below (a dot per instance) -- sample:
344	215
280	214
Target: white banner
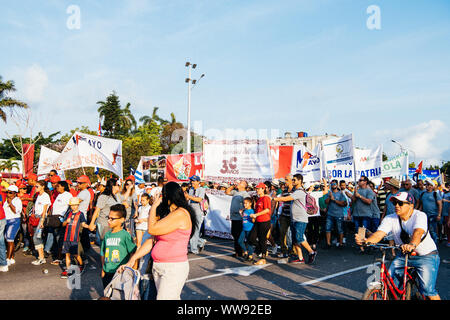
307	163
231	160
46	159
338	150
396	167
84	150
368	163
217	221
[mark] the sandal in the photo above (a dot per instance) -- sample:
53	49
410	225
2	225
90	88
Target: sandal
260	262
56	262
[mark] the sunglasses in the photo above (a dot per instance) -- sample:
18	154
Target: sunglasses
111	218
399	203
11	192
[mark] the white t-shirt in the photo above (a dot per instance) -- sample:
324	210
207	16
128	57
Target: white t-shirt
85	197
41	201
417	220
61	203
143	214
9	214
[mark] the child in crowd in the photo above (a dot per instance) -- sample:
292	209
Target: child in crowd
247	227
73	222
117	246
141	221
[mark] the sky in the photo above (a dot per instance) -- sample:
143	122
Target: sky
270	66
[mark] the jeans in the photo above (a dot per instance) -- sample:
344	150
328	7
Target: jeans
236	229
427	270
195	242
433	228
374	224
338	221
2	243
244	238
52	235
361	222
285	222
145	259
298	229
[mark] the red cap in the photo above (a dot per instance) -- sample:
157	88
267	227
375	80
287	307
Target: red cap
22	185
18	182
83	179
130	177
261	185
32	176
69	182
55	179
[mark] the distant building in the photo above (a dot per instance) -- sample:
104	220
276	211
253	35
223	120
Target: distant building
301	138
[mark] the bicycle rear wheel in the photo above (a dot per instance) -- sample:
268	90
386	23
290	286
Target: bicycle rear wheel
412	291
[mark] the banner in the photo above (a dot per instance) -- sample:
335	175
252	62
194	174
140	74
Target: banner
232	160
426	174
46	159
338	150
151	167
28	158
217	221
396	167
179	167
368	162
84	150
281	157
307	163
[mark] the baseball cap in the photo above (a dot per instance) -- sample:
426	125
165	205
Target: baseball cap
55	179
22	185
195	178
13	188
32	176
261	185
130	177
403	197
84	179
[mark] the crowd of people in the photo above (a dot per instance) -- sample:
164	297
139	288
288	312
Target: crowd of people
154	227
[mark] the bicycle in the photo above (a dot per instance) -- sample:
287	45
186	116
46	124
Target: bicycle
385	289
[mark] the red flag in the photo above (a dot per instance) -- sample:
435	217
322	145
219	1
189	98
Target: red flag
28	158
419	169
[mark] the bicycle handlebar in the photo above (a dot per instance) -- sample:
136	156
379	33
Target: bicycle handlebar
385	247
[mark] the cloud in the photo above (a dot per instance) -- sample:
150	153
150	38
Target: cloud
36	81
426	141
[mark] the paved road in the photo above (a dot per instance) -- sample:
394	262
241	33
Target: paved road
336	275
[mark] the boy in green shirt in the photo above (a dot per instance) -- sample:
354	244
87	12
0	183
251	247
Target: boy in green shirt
117	246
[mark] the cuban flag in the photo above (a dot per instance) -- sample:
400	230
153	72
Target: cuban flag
137	175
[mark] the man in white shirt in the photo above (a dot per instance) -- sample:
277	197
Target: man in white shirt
83	183
417	238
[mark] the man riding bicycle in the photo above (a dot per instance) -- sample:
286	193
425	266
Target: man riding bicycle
410	230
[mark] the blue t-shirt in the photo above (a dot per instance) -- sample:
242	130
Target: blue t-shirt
429	203
361	209
445	205
335	210
247	221
390	208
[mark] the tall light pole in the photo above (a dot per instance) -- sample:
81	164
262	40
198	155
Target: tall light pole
188	80
401	150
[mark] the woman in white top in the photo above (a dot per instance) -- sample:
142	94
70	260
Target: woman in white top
59	208
41	206
13	210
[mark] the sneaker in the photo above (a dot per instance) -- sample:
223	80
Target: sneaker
25	249
274	250
64	274
297	261
46	254
7	262
38	262
56	262
82	268
260	262
312	257
4	268
10	261
200	248
28	253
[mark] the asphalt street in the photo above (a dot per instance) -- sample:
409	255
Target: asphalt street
216	275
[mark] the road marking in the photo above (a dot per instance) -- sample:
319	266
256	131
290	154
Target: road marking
214	256
336	275
240	271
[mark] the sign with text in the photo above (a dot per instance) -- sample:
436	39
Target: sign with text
307	163
281	157
231	160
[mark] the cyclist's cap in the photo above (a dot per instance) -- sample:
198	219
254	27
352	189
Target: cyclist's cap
403	197
195	178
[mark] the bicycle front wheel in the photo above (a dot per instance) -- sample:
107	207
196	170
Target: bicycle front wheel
373	293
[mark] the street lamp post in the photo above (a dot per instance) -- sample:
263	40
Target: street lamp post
188	80
401	150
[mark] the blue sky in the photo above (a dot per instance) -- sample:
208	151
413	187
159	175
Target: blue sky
309	66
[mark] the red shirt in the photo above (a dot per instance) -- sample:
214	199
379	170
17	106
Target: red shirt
2	213
262	204
73	192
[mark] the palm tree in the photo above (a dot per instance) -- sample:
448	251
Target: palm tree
9	165
146	120
7	102
127	119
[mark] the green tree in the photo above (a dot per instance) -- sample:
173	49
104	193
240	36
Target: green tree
9	165
7	102
146	120
117	122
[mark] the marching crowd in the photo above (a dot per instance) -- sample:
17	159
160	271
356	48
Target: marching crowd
153	227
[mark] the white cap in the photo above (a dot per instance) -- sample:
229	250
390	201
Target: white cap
403	197
13	188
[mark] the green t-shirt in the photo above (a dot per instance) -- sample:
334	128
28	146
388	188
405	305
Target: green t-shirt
117	249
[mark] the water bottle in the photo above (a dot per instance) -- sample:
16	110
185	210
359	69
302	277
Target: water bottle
39	233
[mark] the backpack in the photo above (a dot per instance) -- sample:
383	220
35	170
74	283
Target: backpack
311	204
124	286
204	205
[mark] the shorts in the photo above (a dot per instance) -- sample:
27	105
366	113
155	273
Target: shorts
298	231
331	221
70	247
11	229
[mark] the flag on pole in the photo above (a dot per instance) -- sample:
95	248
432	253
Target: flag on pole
419	168
99	133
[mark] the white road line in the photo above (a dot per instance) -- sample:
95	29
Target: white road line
336	275
214	256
